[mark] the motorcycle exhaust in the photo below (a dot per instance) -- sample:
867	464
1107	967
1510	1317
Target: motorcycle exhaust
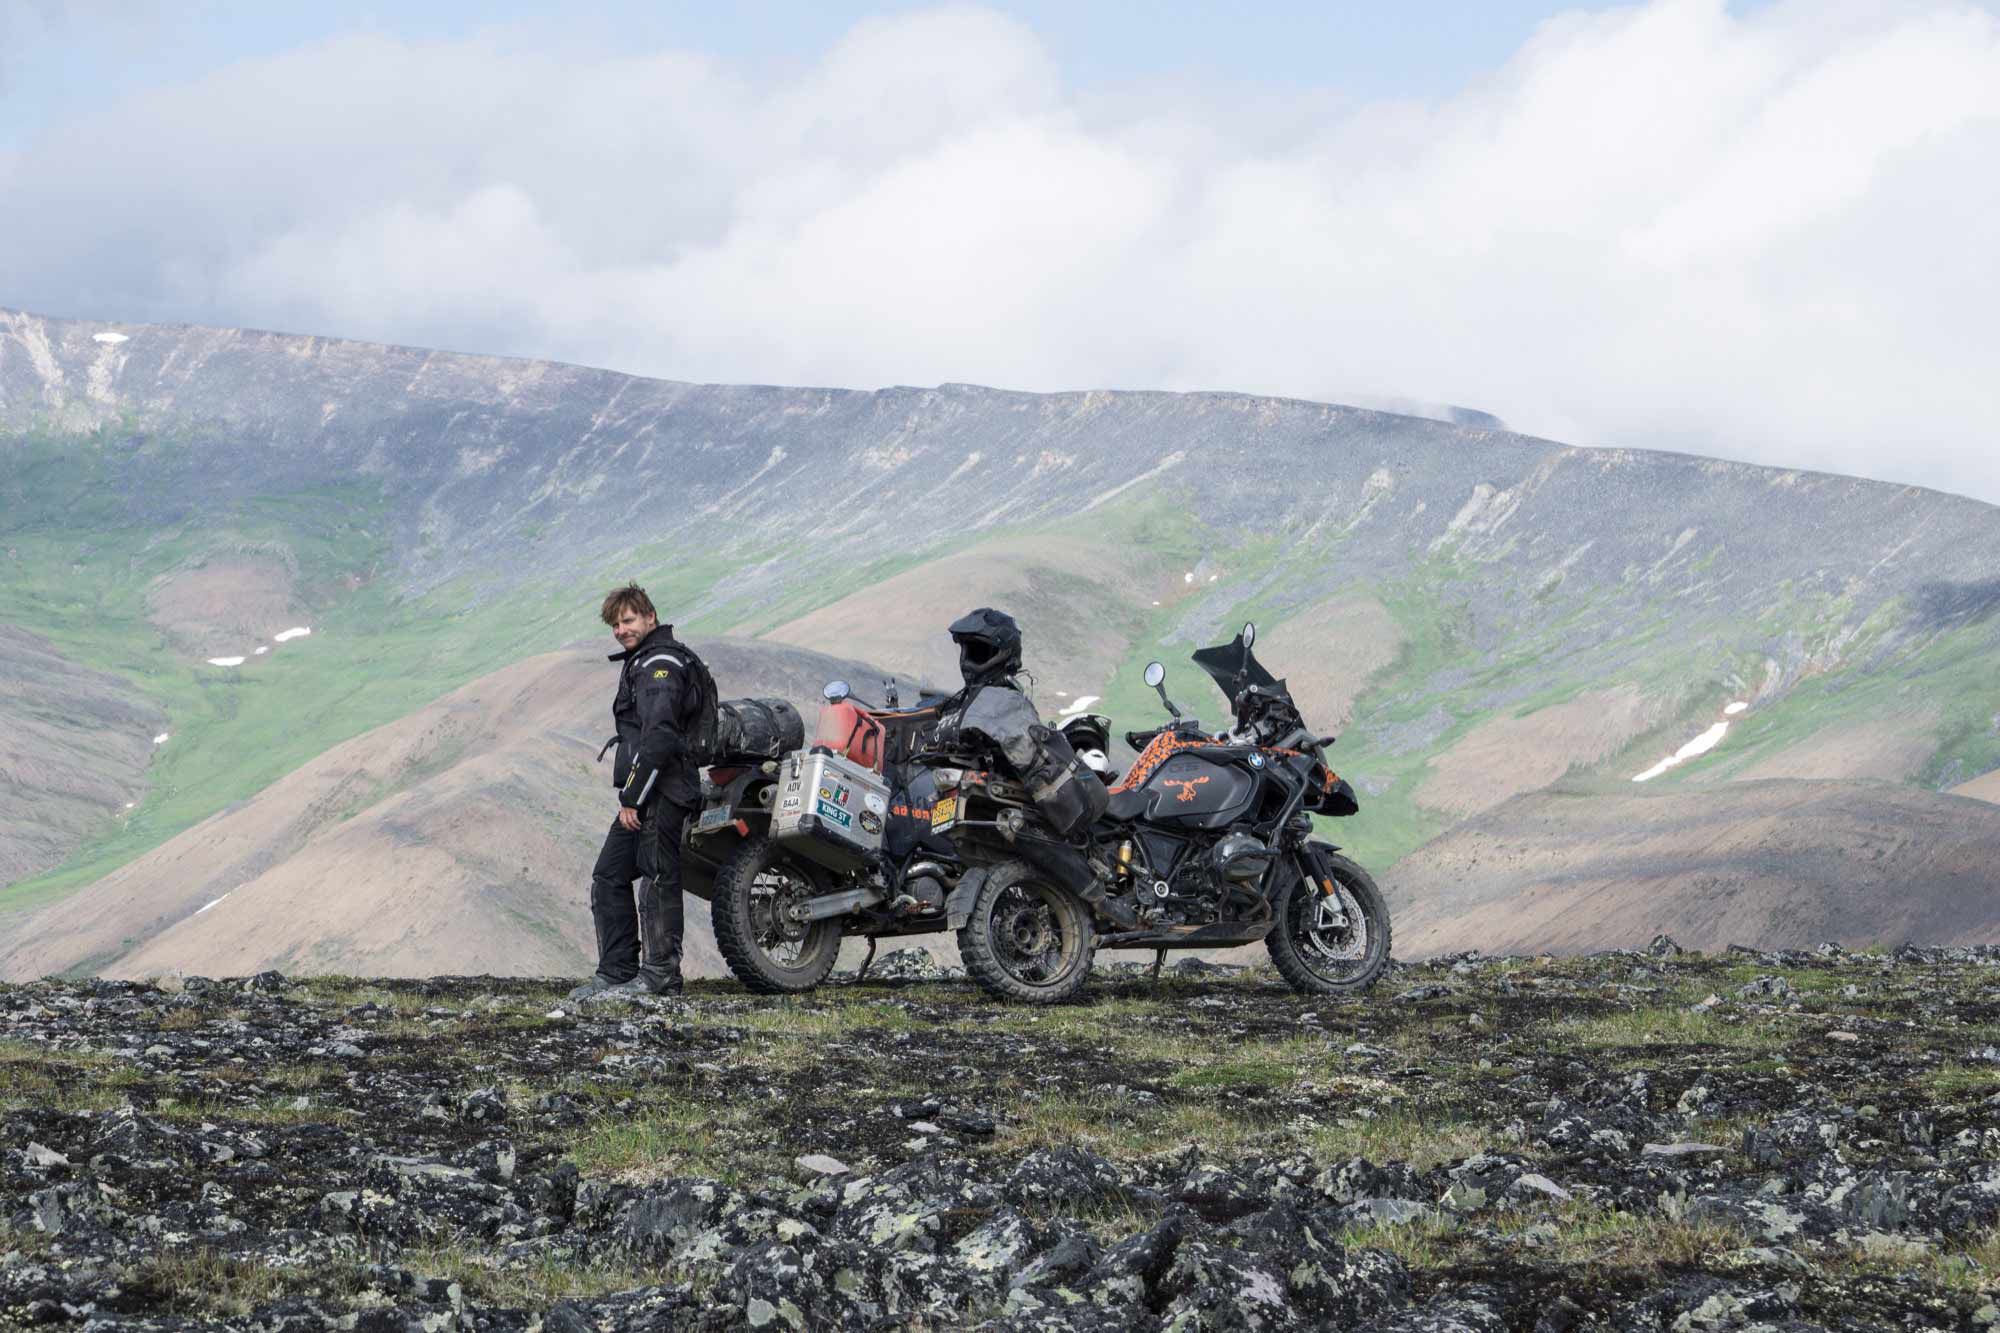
834	904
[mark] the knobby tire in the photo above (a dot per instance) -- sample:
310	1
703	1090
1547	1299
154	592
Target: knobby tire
981	951
1285	951
736	931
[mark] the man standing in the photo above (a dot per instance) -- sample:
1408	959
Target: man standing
658	791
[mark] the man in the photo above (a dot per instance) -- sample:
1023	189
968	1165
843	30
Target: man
658	792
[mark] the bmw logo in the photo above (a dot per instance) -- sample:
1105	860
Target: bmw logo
1256	761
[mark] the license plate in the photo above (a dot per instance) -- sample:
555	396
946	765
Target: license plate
944	813
712	819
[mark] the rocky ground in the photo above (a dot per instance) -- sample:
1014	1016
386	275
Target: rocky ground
1651	1140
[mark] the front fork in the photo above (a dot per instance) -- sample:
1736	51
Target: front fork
1329	912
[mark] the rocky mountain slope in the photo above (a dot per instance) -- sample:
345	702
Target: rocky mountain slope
1800	1142
1488	613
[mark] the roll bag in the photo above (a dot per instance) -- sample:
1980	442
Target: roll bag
758	729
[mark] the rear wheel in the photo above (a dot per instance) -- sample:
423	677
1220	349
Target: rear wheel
1027	938
768	951
1331	944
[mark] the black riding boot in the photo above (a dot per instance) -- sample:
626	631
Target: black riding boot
660	935
660	908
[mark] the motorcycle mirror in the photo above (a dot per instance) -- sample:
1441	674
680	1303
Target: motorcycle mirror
1156	676
836	691
1249	633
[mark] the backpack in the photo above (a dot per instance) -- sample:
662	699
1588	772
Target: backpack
701	725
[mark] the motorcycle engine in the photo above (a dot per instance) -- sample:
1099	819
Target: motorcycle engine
1240	858
1199	884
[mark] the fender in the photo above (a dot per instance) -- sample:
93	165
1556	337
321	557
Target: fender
743	795
704	850
958	903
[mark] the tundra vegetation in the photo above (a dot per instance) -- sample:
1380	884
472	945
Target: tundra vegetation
1641	1140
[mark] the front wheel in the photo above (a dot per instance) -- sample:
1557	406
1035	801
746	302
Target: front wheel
1027	938
1331	944
768	951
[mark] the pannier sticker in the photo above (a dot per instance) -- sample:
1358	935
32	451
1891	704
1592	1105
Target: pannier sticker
870	822
791	803
828	810
874	804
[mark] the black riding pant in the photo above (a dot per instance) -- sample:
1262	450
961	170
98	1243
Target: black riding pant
651	935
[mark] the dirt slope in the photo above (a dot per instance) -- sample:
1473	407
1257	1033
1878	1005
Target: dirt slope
1887	749
1328	653
1511	755
1772	864
1081	605
74	745
456	839
1985	788
228	605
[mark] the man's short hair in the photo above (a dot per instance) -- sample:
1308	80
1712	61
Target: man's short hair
631	597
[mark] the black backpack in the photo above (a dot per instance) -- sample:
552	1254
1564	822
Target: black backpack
699	727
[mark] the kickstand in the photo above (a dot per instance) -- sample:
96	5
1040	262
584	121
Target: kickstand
1159	960
862	975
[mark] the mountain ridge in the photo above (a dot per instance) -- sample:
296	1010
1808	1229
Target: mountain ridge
1492	611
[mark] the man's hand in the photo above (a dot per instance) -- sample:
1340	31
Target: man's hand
628	819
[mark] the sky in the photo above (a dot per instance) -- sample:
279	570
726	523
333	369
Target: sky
1762	231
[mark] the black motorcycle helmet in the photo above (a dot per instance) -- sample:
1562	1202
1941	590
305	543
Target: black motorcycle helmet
989	645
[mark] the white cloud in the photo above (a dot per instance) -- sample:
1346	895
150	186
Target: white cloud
1761	235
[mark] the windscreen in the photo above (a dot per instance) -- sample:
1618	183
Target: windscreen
1232	666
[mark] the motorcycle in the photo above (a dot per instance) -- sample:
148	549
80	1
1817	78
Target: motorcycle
1207	842
822	841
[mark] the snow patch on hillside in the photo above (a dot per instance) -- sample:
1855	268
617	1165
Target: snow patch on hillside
1694	749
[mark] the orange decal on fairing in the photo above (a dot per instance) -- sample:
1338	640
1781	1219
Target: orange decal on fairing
1157	752
1187	786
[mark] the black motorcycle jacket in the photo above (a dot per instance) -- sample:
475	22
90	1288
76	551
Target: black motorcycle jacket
655	699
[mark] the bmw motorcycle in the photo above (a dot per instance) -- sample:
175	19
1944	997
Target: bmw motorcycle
1207	842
